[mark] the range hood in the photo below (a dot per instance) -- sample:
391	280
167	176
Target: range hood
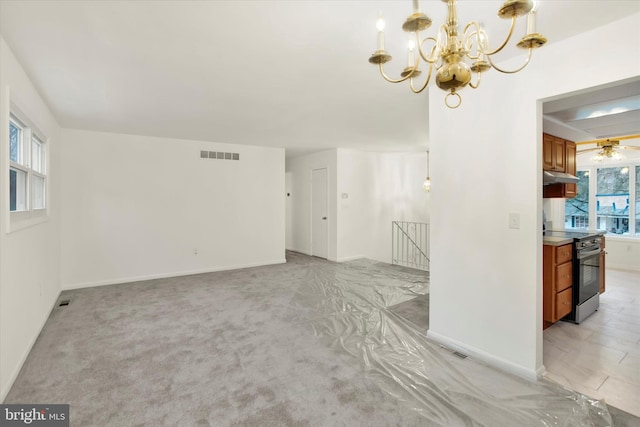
549	177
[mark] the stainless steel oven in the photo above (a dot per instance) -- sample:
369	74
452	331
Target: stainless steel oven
586	278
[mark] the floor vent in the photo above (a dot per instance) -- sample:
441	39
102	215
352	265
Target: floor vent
64	303
460	355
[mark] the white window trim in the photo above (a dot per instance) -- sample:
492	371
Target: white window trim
19	220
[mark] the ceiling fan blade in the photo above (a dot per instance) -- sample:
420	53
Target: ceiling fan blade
588	150
629	147
614	138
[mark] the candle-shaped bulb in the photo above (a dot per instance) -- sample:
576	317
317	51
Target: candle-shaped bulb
411	58
416	6
380	27
531	20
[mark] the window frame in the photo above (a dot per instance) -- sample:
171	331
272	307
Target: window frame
20	219
592	169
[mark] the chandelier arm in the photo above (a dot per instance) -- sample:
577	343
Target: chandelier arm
468	47
511	71
434	51
413	89
390	80
434	58
475	86
504	43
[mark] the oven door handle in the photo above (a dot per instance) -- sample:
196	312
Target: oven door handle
582	255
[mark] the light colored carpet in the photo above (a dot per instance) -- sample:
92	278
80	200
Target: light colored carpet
309	342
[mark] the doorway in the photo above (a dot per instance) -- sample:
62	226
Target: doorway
319	207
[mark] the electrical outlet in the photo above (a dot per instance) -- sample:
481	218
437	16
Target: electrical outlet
195	251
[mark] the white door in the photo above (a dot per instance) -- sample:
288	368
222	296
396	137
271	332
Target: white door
319	221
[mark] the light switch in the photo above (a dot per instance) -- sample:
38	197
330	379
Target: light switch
345	195
514	220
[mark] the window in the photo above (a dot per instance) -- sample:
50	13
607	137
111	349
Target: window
577	209
27	166
608	198
38	164
612	200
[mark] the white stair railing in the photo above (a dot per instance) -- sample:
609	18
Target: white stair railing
410	244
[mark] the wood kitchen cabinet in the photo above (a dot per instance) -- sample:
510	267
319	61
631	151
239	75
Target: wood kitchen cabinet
548	163
559	155
557	283
553	153
603	254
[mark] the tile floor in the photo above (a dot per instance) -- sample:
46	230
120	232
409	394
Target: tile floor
601	356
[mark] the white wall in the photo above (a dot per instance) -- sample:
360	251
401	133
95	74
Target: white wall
486	279
29	260
137	207
380	188
300	169
622	253
367	190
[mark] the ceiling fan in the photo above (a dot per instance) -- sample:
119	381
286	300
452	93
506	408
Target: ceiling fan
608	148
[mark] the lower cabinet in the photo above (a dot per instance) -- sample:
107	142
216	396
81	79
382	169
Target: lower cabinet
557	283
563	303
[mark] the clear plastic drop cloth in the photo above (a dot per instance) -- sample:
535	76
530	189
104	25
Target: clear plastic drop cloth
347	305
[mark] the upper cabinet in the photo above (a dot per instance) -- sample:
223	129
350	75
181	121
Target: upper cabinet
559	155
548	163
554	156
570	190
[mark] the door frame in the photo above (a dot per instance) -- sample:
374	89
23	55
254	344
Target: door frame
326	169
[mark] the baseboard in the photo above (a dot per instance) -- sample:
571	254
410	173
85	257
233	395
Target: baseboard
350	258
130	279
23	358
623	266
300	251
485	357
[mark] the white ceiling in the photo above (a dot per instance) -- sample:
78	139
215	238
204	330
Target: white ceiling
598	113
290	74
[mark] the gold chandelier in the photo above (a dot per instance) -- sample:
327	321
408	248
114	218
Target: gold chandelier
449	51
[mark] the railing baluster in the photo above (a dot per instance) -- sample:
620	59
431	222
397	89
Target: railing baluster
410	244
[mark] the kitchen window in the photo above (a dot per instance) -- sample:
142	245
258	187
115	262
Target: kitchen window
577	209
608	198
27	172
612	200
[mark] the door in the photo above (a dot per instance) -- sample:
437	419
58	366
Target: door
319	221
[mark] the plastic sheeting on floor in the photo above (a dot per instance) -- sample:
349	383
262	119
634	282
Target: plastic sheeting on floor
347	305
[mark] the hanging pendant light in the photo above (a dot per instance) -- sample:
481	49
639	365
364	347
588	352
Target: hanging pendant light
427	182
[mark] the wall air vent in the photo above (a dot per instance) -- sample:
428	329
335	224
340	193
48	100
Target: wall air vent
219	155
64	303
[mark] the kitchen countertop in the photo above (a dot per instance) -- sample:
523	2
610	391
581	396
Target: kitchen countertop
556	241
565	237
579	230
